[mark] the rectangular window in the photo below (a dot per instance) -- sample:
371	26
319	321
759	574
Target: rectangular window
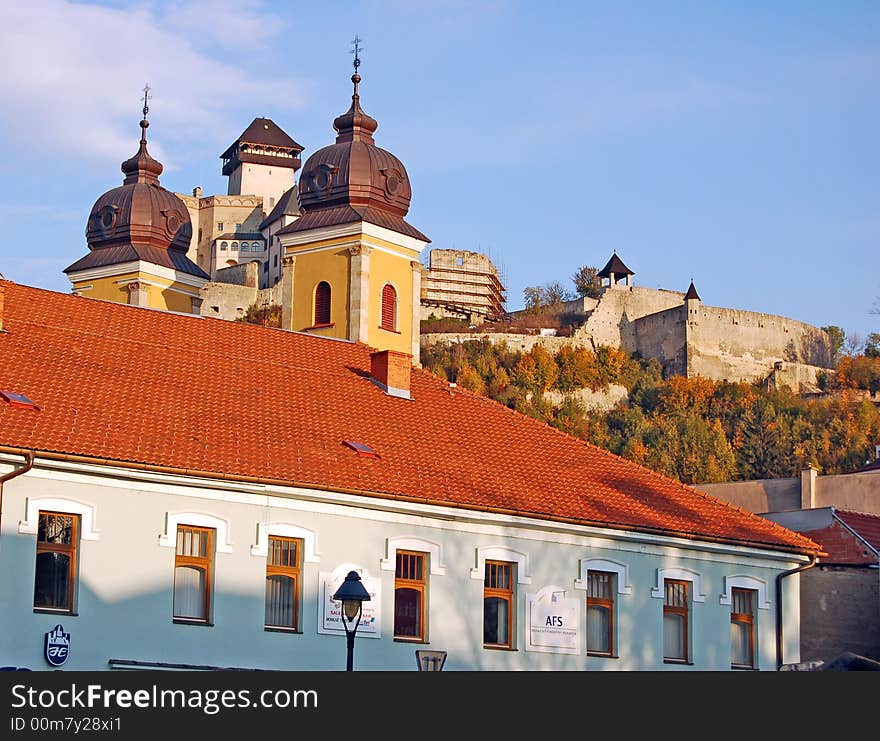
193	564
55	573
409	596
283	582
238	227
600	613
742	629
219	226
498	607
676	607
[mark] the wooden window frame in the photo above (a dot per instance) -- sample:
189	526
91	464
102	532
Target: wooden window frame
744	618
394	310
677	610
72	552
419	585
206	562
295	573
500	593
603	602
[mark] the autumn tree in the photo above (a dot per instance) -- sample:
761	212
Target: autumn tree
587	282
265	316
838	338
546	298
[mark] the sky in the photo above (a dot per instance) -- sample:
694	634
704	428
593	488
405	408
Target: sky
731	143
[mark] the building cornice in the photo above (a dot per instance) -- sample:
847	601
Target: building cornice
339	500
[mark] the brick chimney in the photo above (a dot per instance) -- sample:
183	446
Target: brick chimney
391	372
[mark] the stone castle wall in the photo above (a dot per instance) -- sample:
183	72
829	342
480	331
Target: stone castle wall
744	345
231	300
611	322
663	336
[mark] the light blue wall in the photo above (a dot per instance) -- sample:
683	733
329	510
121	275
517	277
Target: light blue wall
125	582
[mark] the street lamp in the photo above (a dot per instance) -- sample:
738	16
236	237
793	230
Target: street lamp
352	594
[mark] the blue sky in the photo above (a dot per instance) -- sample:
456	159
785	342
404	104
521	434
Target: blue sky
733	143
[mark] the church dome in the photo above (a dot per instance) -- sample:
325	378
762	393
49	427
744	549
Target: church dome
354	171
140	211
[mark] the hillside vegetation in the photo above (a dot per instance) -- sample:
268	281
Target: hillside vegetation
693	429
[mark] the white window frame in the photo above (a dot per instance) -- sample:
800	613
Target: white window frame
86	512
168	539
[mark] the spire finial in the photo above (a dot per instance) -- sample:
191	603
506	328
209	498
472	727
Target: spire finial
356	49
144	122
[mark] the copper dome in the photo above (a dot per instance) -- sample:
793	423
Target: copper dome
140	211
354	171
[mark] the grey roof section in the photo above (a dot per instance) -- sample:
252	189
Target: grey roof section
129	252
241	236
288	205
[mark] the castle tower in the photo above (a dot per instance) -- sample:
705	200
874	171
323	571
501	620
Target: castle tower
262	162
351	261
692	302
615	271
138	235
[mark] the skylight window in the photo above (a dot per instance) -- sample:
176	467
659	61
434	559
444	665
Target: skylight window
361	449
18	400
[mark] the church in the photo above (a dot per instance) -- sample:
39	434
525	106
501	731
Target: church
155	518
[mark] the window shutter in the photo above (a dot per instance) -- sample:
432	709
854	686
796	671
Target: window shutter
322	303
389	302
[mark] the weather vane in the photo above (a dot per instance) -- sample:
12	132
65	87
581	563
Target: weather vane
147	97
356	50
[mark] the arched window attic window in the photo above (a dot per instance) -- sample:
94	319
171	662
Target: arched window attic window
389	308
322	303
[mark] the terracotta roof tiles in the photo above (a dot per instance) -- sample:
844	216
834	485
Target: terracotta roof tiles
145	388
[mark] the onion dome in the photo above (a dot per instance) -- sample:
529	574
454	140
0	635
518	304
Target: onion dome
140	211
354	171
139	220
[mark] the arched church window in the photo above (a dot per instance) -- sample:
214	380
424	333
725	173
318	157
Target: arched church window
223	246
245	246
389	308
322	303
235	247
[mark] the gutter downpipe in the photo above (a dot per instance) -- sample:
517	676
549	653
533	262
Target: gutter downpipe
29	464
779	578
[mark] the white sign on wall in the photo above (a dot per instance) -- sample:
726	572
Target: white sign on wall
554	622
330	611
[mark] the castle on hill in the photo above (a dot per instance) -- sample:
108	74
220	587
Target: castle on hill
688	337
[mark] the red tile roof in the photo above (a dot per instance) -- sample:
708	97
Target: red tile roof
866	526
152	388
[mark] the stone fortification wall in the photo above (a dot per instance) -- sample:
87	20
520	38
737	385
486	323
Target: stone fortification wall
603	399
663	336
229	301
243	274
517	342
745	345
611	322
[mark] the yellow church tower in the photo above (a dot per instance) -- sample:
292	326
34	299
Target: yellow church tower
351	265
138	236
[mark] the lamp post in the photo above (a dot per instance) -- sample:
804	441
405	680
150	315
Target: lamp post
352	594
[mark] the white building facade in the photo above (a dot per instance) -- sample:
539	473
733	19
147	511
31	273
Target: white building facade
127	611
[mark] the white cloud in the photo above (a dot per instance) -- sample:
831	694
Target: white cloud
73	74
